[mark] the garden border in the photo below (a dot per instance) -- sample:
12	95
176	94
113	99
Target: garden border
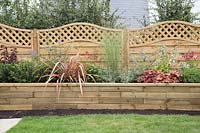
140	96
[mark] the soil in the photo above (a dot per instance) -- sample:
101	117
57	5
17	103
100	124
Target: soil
20	113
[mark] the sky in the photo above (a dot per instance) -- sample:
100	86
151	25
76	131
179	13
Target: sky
197	7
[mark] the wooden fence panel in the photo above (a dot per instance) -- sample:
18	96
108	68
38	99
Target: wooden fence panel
144	42
87	38
21	39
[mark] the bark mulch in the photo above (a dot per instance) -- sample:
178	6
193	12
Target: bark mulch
20	113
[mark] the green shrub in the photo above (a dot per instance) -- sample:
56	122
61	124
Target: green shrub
96	73
189	70
109	76
139	64
130	76
27	71
102	74
5	70
190	75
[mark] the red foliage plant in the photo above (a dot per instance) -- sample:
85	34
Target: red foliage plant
6	57
153	76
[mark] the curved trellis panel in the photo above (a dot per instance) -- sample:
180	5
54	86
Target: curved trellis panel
22	39
174	34
75	32
15	37
71	39
170	30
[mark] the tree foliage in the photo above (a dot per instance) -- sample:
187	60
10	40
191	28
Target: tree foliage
174	10
47	14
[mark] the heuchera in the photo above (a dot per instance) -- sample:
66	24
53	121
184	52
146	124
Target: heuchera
6	57
153	76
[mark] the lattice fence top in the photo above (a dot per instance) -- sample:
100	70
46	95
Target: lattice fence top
165	31
15	37
75	32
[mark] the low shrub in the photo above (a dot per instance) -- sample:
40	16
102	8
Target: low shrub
103	74
189	70
154	76
130	76
22	72
190	74
27	71
5	70
96	72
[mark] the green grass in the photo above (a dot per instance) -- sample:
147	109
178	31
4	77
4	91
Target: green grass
109	124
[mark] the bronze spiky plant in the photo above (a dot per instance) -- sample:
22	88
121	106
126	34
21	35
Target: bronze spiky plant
69	71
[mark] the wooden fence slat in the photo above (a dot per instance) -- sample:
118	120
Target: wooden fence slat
35	45
125	50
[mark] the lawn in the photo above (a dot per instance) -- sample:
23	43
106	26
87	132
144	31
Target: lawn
129	123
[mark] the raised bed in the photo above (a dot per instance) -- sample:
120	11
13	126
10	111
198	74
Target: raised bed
35	96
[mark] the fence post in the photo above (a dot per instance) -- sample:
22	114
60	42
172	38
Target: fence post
35	46
125	50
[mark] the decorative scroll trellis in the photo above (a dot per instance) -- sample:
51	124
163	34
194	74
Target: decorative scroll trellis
89	37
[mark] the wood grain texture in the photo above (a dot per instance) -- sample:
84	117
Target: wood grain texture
87	38
35	96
